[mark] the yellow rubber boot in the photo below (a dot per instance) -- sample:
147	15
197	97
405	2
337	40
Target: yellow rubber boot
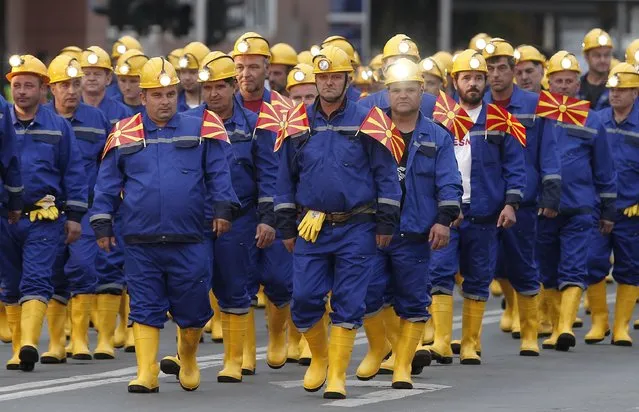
108	306
31	320
261	298
56	317
80	316
14	313
147	342
5	331
472	315
528	316
496	288
442	315
188	343
207	327
67	327
119	337
570	299
249	355
378	347
429	330
171	365
94	318
276	350
626	299
293	340
553	300
129	341
317	338
340	348
544	324
635	325
586	303
410	336
516	326
216	320
599	312
391	323
234	332
506	321
305	352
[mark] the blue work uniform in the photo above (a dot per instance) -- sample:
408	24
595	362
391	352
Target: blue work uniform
380	99
165	181
51	164
588	181
113	90
432	193
114	110
353	93
516	254
11	188
497	177
353	179
135	109
623	138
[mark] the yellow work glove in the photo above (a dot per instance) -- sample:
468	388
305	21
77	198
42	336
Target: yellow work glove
311	225
47	211
632	211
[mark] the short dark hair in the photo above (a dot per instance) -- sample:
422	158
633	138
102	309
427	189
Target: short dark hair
510	60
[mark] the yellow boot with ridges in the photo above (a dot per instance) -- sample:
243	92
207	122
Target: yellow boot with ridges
410	335
249	351
276	350
107	306
391	323
378	347
31	320
570	299
544	323
234	333
624	305
472	316
293	341
188	343
80	317
147	342
528	315
506	321
317	339
340	348
599	312
14	313
442	315
216	320
56	317
553	300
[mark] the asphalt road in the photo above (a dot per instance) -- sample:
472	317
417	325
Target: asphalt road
588	378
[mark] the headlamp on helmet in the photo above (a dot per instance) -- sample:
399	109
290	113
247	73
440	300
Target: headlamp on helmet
15	60
299	76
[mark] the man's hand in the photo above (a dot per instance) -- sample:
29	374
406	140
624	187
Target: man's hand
383	240
458	221
264	235
507	217
439	236
73	231
221	226
105	243
605	226
546	212
289	244
14	216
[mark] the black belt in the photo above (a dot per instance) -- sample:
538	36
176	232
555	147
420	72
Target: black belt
414	237
345	217
479	220
576	211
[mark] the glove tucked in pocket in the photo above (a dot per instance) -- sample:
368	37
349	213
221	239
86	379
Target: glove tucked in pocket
311	225
47	211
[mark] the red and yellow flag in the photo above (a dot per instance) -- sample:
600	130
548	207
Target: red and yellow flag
381	128
125	131
294	121
498	118
450	114
563	108
281	103
269	118
213	127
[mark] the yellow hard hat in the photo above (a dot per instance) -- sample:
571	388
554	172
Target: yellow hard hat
158	72
545	85
300	74
498	47
342	43
479	41
95	56
400	45
614	62
376	62
596	38
430	65
469	60
363	76
192	56
403	70
357	61
332	59
623	75
174	56
283	53
527	53
130	63
27	64
632	52
305	57
73	51
64	67
561	61
445	59
315	49
216	66
251	43
124	44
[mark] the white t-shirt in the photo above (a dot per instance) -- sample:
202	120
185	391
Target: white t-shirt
464	156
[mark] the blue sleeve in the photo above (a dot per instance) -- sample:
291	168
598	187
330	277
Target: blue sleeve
604	174
389	192
513	169
549	167
218	180
266	166
74	179
285	188
106	200
448	182
10	161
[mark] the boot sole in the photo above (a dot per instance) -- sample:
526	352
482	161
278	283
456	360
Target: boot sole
169	367
635	327
470	362
528	352
129	349
13	367
315	389
189	389
455	348
402	385
292	360
577	325
142	389
334	395
365	378
304	361
565	341
82	356
248	372
280	366
217	340
547	346
28	358
590	341
625	343
516	335
5	341
50	360
442	360
544	335
103	356
384	371
228	379
422	359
